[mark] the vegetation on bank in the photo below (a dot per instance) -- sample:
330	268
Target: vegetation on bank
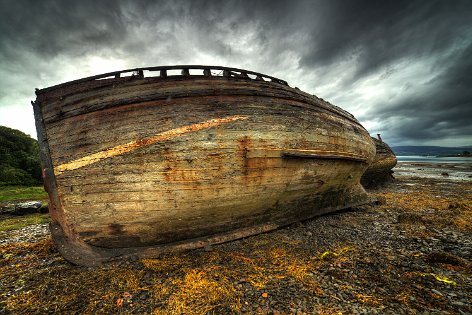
19	193
18	222
19	158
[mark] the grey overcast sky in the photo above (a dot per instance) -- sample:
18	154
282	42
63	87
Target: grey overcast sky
403	68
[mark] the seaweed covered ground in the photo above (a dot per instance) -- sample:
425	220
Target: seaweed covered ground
407	253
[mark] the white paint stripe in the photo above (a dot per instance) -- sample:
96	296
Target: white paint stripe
131	146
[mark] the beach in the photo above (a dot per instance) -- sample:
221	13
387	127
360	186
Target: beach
408	251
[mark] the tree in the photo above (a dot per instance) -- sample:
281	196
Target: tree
19	158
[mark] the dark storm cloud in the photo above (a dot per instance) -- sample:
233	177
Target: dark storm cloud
342	49
49	28
379	32
445	111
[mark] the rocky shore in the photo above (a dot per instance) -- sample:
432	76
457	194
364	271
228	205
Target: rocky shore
408	252
22	207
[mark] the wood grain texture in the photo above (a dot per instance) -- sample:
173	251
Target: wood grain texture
380	170
150	164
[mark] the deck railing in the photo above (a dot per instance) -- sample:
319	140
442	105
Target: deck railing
179	71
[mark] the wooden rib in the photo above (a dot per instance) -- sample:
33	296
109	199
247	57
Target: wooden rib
133	145
323	154
305	153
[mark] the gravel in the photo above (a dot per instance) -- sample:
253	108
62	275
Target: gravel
28	234
391	257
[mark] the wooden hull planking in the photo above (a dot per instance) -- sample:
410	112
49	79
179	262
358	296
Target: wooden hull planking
380	170
139	166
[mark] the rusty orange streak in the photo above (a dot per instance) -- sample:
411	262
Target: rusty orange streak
131	146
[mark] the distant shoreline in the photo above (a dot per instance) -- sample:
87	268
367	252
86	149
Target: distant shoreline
457	155
434	159
450	171
464	151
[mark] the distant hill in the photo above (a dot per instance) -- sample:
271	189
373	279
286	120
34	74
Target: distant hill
429	150
19	158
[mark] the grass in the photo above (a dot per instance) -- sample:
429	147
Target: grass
19	193
17	222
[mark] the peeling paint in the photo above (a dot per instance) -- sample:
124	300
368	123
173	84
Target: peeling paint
271	163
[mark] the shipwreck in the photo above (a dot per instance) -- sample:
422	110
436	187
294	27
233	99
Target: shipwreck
380	170
143	161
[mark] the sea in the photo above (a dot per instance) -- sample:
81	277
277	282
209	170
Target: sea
434	159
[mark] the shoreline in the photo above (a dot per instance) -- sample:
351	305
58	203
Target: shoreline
444	171
434	159
410	252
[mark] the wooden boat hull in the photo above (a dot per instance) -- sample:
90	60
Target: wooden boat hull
140	165
380	170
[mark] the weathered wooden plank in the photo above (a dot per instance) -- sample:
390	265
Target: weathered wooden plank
380	170
167	116
144	162
231	89
277	137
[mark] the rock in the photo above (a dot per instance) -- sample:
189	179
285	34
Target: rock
27	207
7	208
410	218
144	295
458	303
445	258
445	174
44	208
380	257
381	200
436	292
28	234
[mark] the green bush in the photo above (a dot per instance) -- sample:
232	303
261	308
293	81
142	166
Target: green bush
19	158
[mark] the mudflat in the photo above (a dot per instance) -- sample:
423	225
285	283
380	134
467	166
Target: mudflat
408	251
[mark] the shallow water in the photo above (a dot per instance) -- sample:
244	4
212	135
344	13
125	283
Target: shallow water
448	170
434	159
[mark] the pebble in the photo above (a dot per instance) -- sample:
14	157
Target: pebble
28	234
27	207
144	295
382	260
458	303
436	292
